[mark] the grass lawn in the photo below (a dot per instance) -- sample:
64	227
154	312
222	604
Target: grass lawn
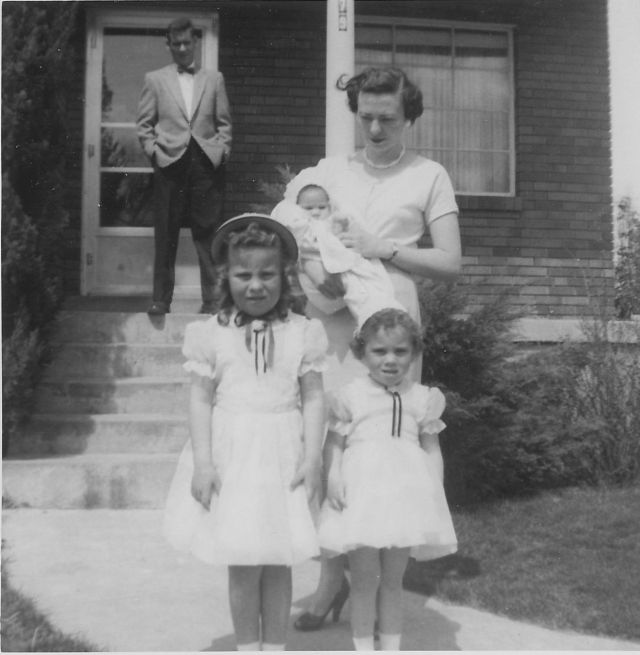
25	629
568	559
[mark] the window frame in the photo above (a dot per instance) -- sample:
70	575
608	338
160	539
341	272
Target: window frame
400	21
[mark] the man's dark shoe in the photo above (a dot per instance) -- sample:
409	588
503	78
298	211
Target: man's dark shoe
158	308
207	308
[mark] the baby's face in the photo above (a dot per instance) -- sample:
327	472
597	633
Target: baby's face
315	203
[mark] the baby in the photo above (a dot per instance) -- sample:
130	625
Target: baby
316	227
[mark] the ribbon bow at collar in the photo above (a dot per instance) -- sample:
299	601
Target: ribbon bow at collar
396	418
258	338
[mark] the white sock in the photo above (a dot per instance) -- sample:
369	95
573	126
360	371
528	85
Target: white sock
254	645
389	642
363	643
266	646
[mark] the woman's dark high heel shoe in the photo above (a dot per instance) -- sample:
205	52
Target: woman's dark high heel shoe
307	622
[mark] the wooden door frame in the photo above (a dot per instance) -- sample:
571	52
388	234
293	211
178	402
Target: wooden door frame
96	20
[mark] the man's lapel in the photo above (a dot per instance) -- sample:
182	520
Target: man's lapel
199	80
171	79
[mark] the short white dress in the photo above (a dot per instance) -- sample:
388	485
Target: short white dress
394	495
257	443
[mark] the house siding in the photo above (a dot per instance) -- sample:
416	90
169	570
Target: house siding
550	246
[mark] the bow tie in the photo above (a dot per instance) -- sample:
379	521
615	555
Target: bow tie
191	70
242	318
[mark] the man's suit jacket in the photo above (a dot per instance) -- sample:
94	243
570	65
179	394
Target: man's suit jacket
163	127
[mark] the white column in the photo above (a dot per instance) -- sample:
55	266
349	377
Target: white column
340	129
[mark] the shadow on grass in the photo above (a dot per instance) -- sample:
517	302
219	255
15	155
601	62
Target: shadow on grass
26	629
424	577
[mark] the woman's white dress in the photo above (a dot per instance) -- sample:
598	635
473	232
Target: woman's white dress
257	442
394	494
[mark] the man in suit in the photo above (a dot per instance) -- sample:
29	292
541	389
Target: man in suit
184	127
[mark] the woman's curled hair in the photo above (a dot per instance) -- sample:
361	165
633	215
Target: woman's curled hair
383	80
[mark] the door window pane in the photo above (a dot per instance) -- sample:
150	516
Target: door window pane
125	173
129	53
126	199
119	147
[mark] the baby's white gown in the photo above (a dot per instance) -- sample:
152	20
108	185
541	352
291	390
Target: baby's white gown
257	441
394	494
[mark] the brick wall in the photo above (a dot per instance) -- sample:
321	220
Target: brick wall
550	246
273	59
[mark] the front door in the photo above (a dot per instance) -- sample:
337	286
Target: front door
117	215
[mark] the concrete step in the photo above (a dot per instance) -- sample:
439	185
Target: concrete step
112	396
118	360
89	481
52	435
111	412
121	327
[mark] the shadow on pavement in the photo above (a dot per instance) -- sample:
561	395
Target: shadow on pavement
423	577
424	629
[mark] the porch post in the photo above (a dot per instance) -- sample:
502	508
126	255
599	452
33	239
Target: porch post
340	130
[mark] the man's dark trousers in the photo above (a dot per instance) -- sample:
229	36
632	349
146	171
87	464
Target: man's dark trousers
190	192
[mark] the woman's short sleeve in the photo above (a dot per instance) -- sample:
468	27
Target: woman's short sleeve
433	404
315	346
339	419
198	349
442	198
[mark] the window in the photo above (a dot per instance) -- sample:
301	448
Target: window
465	74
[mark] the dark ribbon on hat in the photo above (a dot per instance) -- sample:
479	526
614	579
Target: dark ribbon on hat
258	337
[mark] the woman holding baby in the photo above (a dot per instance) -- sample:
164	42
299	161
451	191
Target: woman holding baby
392	196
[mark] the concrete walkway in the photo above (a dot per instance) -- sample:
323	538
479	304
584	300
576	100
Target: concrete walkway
108	576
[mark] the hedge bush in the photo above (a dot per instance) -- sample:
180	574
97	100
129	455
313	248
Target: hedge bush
37	72
520	423
627	270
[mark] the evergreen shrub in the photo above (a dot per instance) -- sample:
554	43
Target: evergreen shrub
627	270
519	423
37	72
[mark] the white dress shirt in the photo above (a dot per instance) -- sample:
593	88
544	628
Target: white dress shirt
186	86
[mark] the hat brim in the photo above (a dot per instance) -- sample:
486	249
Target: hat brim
239	223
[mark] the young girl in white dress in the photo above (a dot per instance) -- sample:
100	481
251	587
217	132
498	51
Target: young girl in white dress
240	495
385	498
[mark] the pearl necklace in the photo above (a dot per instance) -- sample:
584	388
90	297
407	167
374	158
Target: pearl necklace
389	165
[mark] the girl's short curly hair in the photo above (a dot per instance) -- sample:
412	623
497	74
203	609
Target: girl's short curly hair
256	236
387	319
383	80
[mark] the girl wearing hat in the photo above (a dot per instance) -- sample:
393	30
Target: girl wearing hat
240	495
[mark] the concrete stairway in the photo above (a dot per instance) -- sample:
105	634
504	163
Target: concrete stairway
110	414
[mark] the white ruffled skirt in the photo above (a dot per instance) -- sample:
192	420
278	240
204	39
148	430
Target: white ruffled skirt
256	518
394	498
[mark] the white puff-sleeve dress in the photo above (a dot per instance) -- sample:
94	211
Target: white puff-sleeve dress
393	491
257	443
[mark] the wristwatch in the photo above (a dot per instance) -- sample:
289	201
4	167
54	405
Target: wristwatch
394	252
